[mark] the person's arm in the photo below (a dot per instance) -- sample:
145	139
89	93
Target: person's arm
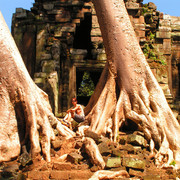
75	108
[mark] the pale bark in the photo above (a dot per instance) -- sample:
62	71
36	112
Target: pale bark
128	89
93	152
102	174
25	109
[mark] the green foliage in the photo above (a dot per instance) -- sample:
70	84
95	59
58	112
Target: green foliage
146	5
146	48
162	61
87	86
152	54
173	163
152	36
144	10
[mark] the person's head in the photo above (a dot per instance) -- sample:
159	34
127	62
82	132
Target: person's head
74	101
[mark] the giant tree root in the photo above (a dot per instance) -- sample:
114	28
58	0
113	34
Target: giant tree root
93	151
104	174
128	90
25	112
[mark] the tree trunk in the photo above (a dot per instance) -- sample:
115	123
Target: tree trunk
25	110
128	89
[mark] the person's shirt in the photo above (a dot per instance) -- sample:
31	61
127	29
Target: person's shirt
80	110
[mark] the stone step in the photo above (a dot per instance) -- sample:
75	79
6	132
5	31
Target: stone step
73	174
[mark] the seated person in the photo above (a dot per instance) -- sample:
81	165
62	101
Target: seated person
76	112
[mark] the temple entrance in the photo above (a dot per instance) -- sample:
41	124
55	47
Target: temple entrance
82	37
86	81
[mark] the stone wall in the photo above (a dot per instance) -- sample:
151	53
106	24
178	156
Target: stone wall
58	39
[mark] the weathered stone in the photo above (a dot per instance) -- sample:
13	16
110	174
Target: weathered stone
167	44
57	143
62	166
167	17
122	139
132	6
55	50
163	22
44	167
103	148
95	23
40	43
155	18
78	52
165	89
97	39
163	34
80	175
39	81
136	140
59	18
13	167
118	169
150	177
10	171
101	57
137	149
77	57
48	6
133	163
68	29
46	56
175	27
48	66
38	174
128	147
175	35
21	13
74	157
133	172
164	28
162	77
25	158
116	152
152	6
113	162
59	175
140	33
58	32
95	32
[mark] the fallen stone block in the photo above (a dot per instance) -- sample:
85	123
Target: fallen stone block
62	166
150	177
80	174
136	140
57	143
133	172
38	175
74	157
113	162
103	148
59	175
133	163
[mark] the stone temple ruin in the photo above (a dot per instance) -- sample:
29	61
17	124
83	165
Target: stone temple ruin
61	44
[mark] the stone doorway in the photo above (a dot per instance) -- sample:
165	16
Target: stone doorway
86	81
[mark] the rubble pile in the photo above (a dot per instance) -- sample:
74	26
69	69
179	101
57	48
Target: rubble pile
70	161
